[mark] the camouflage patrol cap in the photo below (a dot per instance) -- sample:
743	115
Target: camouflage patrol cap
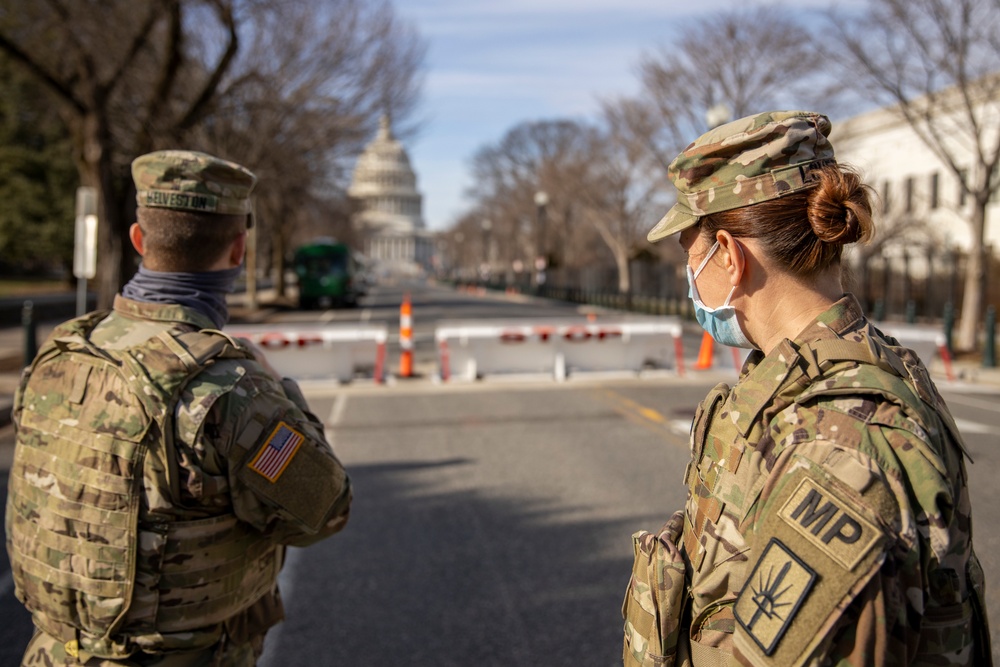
745	162
192	181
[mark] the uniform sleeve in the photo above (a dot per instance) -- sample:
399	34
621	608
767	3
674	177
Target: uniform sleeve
858	552
818	544
284	477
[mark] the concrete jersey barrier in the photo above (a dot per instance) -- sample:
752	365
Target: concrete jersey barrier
319	351
469	350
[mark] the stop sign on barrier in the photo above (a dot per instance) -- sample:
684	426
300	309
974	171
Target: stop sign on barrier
557	348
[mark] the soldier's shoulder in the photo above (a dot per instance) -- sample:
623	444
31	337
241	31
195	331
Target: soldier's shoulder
826	531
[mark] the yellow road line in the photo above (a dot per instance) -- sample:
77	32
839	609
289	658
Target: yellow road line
639	414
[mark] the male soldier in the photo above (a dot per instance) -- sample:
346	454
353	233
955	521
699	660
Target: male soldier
161	467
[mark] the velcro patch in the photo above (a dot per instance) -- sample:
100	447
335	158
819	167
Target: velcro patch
277	452
776	589
819	543
829	523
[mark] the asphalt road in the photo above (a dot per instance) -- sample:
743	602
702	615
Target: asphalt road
492	521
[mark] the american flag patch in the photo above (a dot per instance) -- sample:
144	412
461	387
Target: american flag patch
277	452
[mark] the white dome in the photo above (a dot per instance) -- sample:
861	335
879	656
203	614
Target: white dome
383	168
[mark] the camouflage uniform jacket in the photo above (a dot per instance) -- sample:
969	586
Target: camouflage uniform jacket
215	502
828	519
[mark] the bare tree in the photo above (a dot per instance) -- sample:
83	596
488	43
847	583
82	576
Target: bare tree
622	186
123	72
533	157
935	63
295	107
301	104
743	62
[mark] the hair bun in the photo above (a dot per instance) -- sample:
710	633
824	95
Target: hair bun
838	210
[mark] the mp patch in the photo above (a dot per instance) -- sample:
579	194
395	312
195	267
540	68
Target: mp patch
277	452
828	523
820	544
773	594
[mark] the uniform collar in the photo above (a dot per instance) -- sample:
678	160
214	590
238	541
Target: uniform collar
162	312
779	372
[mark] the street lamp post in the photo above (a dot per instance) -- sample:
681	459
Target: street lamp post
717	115
487	225
541	201
459	258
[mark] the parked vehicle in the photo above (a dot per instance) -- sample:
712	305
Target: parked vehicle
328	274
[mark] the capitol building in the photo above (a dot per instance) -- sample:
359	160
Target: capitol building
389	217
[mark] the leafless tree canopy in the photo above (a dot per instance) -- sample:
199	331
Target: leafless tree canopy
611	178
749	61
289	88
936	63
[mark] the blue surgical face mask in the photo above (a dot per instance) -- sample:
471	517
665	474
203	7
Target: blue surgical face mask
721	323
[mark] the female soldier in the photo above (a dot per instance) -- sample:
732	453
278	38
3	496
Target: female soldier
828	518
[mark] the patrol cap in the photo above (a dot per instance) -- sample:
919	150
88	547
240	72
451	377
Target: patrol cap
745	162
192	181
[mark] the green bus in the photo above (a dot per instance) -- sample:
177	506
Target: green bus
328	274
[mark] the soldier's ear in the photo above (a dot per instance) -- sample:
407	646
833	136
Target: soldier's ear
733	257
135	236
237	250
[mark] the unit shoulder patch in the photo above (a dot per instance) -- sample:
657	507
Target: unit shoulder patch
776	588
819	545
827	521
276	452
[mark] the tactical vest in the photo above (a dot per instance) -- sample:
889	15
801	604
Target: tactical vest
95	437
658	619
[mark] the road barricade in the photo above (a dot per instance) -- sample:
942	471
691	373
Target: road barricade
319	351
469	350
927	342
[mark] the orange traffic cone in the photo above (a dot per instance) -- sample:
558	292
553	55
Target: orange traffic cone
705	353
405	338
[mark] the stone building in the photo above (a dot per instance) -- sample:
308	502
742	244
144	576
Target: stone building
920	199
389	217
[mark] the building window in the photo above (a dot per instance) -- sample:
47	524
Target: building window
935	178
963	195
886	198
908	193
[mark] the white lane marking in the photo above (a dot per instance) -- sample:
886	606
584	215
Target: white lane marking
337	413
993	406
366	314
681	426
328	316
966	426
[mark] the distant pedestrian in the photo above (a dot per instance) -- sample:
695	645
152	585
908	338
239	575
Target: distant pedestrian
828	519
161	467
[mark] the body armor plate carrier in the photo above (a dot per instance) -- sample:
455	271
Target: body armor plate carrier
95	436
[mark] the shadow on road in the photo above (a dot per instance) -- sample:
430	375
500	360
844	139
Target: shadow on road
427	578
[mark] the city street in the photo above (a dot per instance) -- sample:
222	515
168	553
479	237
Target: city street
492	520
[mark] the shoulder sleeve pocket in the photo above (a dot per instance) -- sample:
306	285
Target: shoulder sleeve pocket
819	544
289	469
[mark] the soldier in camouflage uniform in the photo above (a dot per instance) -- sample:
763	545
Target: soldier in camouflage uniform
161	467
828	519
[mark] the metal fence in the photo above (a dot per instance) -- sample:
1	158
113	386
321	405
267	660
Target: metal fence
924	287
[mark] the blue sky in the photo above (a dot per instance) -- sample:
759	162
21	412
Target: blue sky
492	64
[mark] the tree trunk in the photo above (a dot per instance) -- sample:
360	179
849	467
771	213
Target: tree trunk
624	278
278	262
972	301
98	172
